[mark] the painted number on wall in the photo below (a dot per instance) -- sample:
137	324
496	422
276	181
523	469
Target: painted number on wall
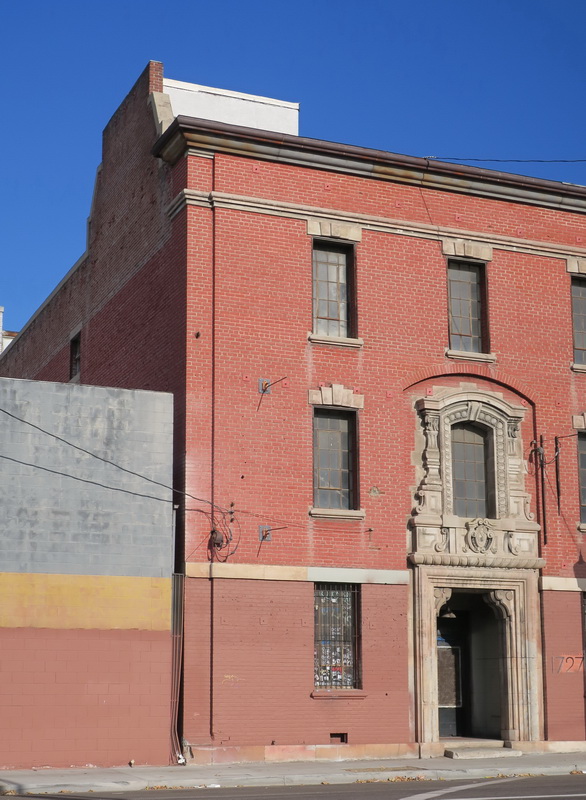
567	663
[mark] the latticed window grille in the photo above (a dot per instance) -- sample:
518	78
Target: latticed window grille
337	636
467	311
579	319
332	285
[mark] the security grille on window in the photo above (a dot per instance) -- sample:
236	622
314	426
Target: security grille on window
337	626
332	287
473	471
579	319
467	307
334	452
582	474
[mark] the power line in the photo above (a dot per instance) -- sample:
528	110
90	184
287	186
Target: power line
221	509
84	480
511	160
108	461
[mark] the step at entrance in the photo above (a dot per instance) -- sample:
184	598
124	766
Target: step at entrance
479	748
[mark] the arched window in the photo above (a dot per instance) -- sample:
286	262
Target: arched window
473	471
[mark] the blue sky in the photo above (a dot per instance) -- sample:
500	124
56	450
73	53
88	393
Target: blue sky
448	78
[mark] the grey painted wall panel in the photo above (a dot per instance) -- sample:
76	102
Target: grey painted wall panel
65	511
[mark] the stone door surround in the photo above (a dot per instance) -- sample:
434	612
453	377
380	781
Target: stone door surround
513	595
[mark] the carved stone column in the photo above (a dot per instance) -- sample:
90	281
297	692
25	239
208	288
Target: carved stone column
430	488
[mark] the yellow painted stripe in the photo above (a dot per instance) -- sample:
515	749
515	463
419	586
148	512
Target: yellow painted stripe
29	600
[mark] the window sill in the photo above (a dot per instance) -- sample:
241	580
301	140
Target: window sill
336	341
463	355
581	527
578	367
338	694
337	513
75	378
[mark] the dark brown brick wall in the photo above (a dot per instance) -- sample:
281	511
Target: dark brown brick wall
564	672
261	656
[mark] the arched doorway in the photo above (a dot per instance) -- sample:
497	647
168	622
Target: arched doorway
510	622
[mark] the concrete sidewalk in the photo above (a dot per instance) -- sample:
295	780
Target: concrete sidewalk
297	773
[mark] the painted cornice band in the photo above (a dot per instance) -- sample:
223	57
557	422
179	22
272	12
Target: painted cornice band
268	572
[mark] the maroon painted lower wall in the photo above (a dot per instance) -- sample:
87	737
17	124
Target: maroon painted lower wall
261	656
84	697
563	670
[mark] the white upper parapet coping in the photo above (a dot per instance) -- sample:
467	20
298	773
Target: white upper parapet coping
234	108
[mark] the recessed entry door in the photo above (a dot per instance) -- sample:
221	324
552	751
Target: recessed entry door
453	676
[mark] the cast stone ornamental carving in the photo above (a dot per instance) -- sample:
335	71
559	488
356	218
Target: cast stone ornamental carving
439	536
441	545
441	595
479	536
502	600
511	543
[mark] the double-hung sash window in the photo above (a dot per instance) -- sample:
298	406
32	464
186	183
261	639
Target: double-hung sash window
473	471
579	319
467	307
334	459
333	266
337	636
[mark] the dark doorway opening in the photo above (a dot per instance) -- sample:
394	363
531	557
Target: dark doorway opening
470	668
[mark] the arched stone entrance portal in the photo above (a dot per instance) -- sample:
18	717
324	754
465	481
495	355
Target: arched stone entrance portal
473	535
512	598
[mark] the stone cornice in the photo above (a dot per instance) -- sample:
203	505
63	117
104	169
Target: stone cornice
187	132
400	227
456	560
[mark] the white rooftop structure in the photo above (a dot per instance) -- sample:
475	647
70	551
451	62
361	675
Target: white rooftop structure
234	108
5	336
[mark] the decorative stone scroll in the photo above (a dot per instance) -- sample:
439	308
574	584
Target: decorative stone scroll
502	601
441	596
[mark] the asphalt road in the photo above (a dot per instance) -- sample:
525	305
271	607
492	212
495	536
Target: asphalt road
550	787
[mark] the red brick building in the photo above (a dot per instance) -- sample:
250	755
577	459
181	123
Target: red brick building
371	357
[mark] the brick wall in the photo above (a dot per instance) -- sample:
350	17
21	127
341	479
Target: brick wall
210	302
84	697
262	664
564	672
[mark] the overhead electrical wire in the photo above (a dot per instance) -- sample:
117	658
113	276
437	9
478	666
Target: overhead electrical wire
510	160
108	461
227	537
84	480
223	511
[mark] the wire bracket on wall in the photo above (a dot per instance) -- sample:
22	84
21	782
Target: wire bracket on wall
264	387
264	533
